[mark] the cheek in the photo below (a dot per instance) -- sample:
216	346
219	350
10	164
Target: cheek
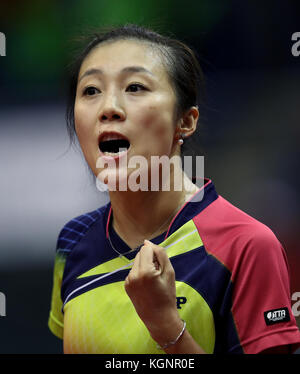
85	134
82	123
157	124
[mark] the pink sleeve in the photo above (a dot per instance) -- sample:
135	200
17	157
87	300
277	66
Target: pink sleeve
261	305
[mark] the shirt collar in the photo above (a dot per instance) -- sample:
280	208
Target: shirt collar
198	202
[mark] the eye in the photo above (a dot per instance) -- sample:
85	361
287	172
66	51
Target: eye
90	91
135	87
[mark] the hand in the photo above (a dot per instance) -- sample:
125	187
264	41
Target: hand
151	287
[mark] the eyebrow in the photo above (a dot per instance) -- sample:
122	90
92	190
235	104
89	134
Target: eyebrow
128	69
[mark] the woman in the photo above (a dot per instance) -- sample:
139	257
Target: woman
195	286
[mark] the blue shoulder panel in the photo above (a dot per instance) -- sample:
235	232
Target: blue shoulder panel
75	230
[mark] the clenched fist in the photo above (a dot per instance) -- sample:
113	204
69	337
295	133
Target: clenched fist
151	287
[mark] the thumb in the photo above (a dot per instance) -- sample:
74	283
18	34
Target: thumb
154	259
147	242
160	257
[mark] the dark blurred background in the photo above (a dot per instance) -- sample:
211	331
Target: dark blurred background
250	131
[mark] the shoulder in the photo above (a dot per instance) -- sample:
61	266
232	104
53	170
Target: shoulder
75	229
230	234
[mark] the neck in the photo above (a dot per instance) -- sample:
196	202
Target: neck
143	215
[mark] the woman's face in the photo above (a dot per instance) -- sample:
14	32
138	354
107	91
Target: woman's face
123	88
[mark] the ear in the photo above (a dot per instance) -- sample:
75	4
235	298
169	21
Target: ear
188	123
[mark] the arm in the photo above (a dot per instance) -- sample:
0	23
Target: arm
151	288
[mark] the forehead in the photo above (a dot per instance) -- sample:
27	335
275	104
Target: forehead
113	56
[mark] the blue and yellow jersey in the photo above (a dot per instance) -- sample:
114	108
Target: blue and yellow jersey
215	250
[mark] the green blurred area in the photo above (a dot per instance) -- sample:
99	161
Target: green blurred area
229	34
40	33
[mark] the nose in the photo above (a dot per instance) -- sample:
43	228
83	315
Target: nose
111	109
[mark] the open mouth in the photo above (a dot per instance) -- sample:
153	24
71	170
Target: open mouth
114	146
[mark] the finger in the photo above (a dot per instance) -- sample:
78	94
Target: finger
155	262
162	258
148	260
159	261
135	267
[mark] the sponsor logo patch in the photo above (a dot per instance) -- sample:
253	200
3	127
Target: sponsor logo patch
276	316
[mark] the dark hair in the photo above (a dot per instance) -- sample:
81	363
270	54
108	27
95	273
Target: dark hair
181	63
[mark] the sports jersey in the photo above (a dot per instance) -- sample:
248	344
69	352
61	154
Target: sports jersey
232	282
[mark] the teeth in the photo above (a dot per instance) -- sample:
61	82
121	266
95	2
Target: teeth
114	154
